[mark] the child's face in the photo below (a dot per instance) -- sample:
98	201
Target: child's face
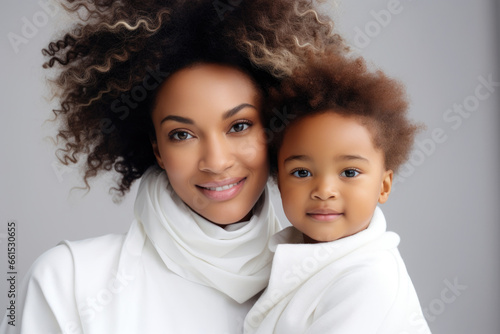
331	176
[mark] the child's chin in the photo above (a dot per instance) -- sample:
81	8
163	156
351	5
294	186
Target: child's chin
318	239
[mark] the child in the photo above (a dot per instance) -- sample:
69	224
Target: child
337	270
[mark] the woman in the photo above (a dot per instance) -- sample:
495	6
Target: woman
169	91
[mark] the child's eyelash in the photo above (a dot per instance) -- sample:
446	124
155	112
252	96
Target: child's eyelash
356	170
352	168
296	170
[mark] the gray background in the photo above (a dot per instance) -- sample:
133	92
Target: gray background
445	206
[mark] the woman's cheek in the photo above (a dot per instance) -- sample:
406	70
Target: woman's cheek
253	151
179	161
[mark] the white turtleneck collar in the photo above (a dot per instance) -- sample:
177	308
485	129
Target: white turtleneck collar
235	260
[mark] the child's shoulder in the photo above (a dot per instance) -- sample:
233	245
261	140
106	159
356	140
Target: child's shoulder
371	279
380	266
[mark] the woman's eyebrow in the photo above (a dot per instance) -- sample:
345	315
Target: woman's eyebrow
235	110
226	115
177	119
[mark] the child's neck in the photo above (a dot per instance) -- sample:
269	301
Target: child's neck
309	240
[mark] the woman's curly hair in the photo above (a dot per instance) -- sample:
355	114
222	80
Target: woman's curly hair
336	83
111	63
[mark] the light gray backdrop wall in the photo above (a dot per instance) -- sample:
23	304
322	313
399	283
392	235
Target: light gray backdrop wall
445	204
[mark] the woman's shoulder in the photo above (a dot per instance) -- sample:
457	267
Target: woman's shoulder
68	255
62	277
95	248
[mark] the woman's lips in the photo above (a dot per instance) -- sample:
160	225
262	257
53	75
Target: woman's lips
222	190
324	214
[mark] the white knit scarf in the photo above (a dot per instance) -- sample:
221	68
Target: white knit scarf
235	260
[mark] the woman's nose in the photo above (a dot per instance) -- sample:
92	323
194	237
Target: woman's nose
325	188
216	155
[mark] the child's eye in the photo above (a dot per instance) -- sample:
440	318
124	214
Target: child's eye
349	173
179	135
241	126
301	173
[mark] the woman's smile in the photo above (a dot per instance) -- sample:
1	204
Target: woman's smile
222	190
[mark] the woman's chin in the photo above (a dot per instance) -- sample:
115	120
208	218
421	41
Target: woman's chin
228	218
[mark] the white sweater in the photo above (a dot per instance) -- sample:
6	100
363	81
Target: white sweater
354	285
194	278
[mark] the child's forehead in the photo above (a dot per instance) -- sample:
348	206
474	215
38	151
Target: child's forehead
328	131
327	122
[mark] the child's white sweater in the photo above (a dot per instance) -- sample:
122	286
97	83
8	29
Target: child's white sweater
354	285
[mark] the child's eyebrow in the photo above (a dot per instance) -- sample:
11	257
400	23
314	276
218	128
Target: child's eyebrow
302	157
352	157
297	157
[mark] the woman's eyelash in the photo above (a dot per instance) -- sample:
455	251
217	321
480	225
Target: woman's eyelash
175	135
181	135
239	122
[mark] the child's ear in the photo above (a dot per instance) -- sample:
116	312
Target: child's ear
385	188
154	143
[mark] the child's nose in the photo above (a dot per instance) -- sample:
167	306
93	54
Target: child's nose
324	189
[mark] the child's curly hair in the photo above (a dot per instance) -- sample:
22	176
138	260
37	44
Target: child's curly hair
335	83
111	63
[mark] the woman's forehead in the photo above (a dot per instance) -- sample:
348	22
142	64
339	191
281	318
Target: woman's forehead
207	89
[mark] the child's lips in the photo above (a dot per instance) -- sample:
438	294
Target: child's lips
324	214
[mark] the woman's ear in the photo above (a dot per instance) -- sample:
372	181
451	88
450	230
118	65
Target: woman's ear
156	151
386	186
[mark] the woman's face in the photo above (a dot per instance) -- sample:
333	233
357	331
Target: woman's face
210	140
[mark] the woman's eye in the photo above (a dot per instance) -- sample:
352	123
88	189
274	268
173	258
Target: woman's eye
180	135
301	173
349	173
238	127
